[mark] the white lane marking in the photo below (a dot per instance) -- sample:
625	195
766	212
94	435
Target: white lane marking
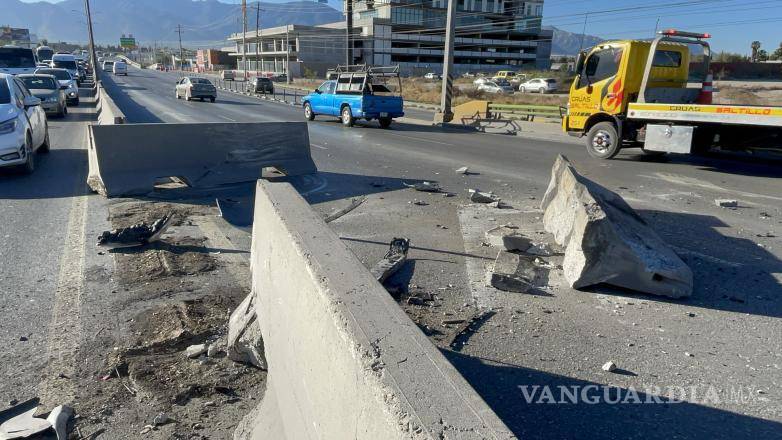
417	138
319	146
58	384
226	118
691	181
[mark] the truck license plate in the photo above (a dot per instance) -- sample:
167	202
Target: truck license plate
383	114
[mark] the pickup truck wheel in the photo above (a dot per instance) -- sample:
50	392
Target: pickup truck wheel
385	122
603	141
308	114
347	117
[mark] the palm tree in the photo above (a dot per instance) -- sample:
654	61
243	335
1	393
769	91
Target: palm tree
755	48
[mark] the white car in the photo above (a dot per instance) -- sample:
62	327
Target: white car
66	80
108	65
495	87
540	85
481	80
432	75
68	62
120	68
23	127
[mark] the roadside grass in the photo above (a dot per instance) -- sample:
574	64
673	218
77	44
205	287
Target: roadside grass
738	95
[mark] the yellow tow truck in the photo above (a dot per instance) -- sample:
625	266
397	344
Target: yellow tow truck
640	94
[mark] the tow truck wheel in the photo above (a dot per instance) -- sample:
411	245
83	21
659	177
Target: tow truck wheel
603	141
347	116
308	114
384	122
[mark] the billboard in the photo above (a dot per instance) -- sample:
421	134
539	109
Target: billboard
9	35
128	42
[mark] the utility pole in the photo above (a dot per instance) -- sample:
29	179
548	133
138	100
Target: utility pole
446	115
181	51
287	55
93	58
244	38
348	32
258	44
583	33
656	26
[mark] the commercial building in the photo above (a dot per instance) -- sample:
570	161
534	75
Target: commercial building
213	59
16	37
491	35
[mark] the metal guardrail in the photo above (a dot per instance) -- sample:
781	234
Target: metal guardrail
524	112
280	94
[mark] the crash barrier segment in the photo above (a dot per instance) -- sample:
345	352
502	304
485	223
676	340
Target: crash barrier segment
344	360
129	159
524	112
108	112
280	94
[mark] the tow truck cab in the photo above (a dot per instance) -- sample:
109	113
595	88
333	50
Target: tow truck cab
657	96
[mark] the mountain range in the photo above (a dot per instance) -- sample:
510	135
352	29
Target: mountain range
568	43
203	21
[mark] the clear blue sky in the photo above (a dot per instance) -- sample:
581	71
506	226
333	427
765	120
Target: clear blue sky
734	23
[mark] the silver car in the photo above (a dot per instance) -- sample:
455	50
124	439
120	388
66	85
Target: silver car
539	85
496	87
192	88
65	79
49	91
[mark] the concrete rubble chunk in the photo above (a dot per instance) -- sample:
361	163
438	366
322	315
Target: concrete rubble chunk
136	235
609	366
726	203
23	425
477	196
606	241
516	242
196	350
59	420
463	170
393	260
540	249
513	273
245	343
425	186
494	235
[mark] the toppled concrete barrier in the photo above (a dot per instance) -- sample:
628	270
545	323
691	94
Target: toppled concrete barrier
606	241
245	342
345	362
129	159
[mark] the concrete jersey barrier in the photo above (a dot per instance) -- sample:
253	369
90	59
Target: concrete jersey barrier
345	361
129	159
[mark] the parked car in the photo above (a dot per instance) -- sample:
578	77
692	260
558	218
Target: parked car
108	65
120	68
496	87
23	127
191	88
480	81
65	79
374	93
49	91
540	85
68	62
260	85
432	76
279	77
504	75
228	75
82	72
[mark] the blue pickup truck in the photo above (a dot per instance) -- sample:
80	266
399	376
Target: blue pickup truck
366	93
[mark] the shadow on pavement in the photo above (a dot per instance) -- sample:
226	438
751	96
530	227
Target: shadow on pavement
508	388
55	176
134	112
730	273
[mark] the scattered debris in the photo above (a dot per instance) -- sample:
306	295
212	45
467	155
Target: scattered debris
463	170
494	235
245	343
726	203
420	299
354	203
136	235
513	273
23	424
516	242
764	215
420	203
766	235
194	351
433	187
147	429
393	260
452	321
499	204
540	249
691	315
464	331
58	418
161	419
441	226
688	354
214	349
477	196
609	366
606	241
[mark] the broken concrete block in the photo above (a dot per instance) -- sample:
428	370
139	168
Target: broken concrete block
136	235
606	241
394	259
516	242
609	366
463	170
23	425
196	350
513	273
494	235
726	203
482	197
424	186
245	343
540	249
59	420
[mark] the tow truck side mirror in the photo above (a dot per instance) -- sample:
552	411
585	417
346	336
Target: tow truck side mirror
580	62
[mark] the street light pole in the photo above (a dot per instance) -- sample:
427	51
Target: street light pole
446	115
93	58
348	33
244	38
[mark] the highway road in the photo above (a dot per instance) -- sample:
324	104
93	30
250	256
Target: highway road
735	253
731	325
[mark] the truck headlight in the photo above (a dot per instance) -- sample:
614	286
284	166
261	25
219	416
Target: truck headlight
8	126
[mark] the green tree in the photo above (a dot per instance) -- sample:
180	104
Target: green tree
777	55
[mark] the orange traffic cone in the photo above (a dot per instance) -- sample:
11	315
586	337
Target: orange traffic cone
707	91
